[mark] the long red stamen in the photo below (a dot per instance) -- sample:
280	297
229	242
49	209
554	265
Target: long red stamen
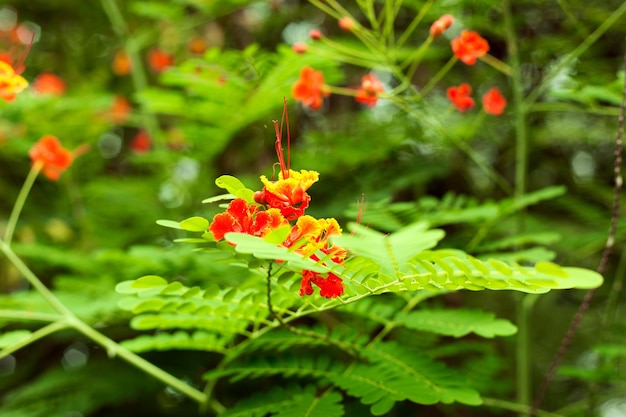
20	67
284	167
361	207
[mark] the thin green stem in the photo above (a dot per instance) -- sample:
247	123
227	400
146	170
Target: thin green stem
520	408
115	350
138	72
437	77
34	336
525	305
495	63
29	315
21	199
414	23
575	54
33	280
610	313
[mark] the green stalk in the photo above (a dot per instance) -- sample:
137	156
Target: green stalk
21	199
138	72
29	315
586	44
524	303
520	408
33	280
114	349
414	23
437	77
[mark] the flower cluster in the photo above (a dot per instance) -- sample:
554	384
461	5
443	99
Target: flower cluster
11	83
493	101
282	203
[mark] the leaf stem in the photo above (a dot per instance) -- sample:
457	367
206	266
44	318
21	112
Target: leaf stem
34	336
21	199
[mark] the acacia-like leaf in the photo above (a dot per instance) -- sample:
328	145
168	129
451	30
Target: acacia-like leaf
457	323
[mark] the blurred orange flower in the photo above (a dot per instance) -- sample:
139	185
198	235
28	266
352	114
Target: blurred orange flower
494	102
121	63
49	83
54	158
120	109
310	88
371	87
460	97
469	46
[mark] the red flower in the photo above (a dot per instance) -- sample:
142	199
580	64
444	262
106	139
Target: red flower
141	143
440	25
469	46
310	88
299	47
460	97
197	45
370	88
49	83
159	61
330	286
315	34
242	217
121	63
493	102
54	158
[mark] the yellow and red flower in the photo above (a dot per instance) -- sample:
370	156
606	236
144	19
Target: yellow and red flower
11	83
460	97
469	46
54	158
310	88
371	87
311	235
288	194
494	102
242	217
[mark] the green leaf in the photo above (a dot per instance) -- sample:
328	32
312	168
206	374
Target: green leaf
235	187
278	235
457	323
149	281
169	223
218	198
195	224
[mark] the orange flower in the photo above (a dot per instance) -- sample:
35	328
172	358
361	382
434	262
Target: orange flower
159	61
469	46
54	158
440	25
120	110
49	83
370	88
493	102
310	88
288	194
242	217
197	45
121	63
346	23
141	143
460	97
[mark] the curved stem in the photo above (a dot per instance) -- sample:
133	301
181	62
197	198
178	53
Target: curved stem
21	199
34	336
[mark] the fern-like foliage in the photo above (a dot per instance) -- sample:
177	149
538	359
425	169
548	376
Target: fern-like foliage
393	373
293	401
